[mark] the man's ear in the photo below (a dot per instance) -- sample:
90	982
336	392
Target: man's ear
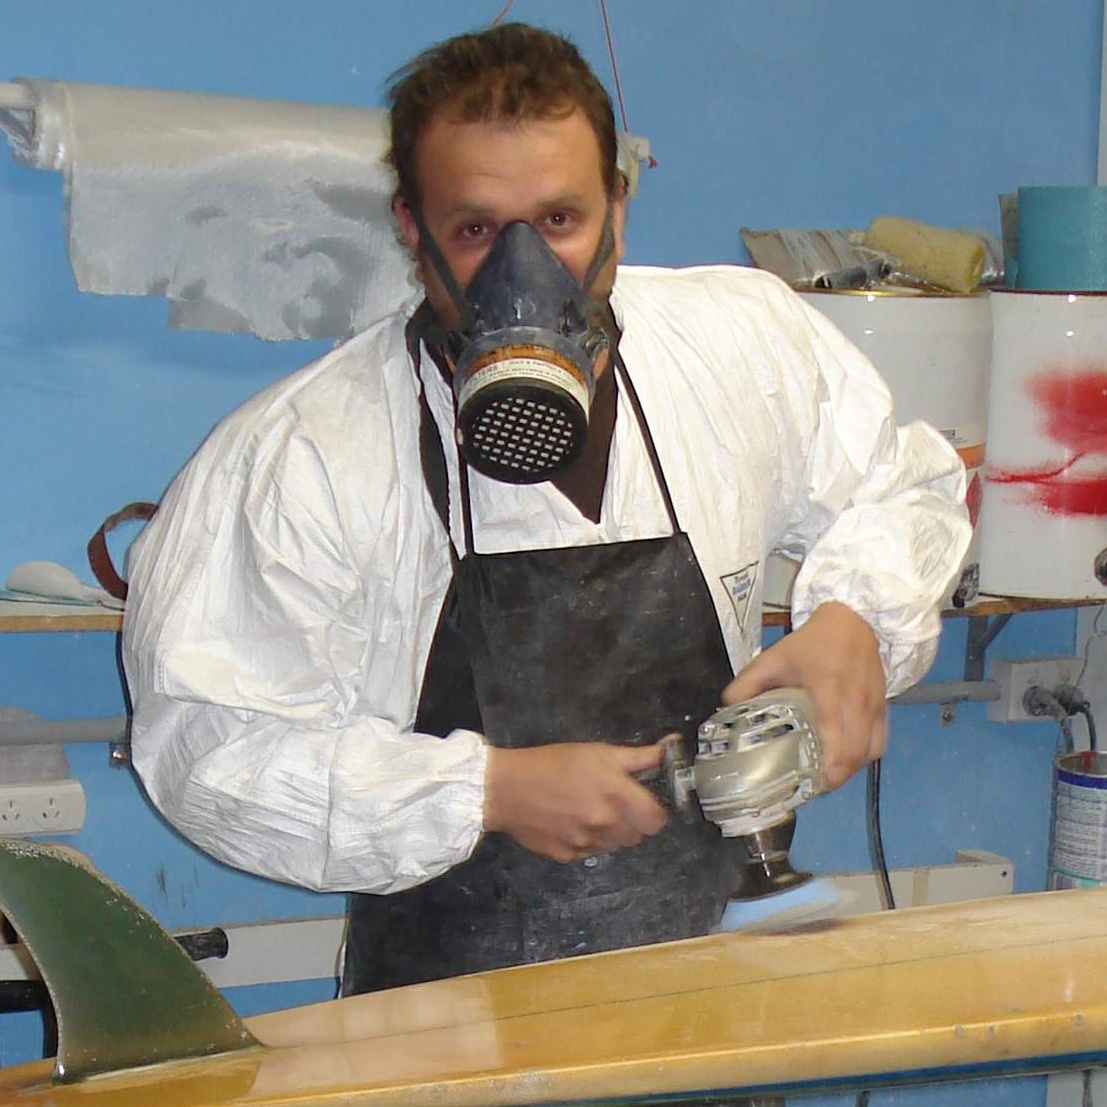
619	203
408	226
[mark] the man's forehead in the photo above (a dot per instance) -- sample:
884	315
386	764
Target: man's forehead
472	160
492	113
455	126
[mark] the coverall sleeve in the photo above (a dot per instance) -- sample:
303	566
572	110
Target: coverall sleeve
881	513
248	635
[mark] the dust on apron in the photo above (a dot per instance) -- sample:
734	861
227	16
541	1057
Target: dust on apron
614	643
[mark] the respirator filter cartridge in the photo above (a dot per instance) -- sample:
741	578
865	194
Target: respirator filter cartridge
522	412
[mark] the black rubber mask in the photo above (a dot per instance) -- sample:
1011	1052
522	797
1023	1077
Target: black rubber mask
524	359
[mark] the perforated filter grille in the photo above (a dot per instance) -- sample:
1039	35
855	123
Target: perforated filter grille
524	435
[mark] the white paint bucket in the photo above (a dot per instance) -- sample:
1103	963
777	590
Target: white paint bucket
934	352
1043	523
1078	827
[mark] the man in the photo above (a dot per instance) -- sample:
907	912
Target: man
329	691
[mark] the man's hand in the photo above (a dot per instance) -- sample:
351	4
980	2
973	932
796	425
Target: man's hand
835	657
571	800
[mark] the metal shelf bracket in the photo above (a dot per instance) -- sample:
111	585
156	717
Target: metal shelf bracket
982	631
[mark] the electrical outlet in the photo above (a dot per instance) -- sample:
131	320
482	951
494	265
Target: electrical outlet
41	807
1016	676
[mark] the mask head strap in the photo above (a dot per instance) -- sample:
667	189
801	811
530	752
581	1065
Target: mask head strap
603	252
445	275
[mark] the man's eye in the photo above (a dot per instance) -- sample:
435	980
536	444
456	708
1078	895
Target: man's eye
473	230
558	219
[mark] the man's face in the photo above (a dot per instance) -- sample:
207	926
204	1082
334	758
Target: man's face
477	177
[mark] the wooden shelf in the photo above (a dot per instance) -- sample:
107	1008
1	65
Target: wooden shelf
16	617
1013	605
983	606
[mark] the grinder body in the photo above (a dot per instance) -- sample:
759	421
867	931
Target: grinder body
755	762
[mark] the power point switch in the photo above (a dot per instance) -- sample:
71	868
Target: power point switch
1016	677
41	807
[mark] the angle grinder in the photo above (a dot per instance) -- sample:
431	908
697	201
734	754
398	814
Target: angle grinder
755	762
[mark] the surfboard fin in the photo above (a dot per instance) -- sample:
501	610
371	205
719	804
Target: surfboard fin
124	992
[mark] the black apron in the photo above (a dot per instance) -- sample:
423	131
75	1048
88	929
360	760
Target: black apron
613	643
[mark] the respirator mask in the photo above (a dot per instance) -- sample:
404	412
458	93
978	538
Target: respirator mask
524	357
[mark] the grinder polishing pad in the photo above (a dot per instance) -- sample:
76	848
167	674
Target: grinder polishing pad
803	903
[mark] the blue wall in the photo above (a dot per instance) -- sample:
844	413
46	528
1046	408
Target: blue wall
762	114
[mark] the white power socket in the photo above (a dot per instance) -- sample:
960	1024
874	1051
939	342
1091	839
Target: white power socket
41	807
1016	676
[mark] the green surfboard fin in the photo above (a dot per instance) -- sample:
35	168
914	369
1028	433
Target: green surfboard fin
124	992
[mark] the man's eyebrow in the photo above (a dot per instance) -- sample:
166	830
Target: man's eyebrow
482	209
572	199
469	210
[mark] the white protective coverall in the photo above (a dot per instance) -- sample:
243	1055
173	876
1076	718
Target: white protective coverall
284	598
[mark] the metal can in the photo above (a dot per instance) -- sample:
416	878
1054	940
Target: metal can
1078	832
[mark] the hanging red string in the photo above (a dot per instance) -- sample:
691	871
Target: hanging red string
652	162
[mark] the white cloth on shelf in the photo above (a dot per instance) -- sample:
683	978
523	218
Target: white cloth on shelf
255	216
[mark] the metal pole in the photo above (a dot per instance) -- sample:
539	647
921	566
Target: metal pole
42	732
949	691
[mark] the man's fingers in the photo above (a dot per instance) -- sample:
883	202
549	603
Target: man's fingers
640	759
638	811
643	815
831	726
570	800
878	741
852	732
748	683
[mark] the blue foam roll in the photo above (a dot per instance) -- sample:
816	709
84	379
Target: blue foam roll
1062	238
814	899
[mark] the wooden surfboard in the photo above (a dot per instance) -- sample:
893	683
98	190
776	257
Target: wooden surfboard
980	989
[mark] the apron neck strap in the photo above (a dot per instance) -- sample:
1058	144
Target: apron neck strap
631	393
433	458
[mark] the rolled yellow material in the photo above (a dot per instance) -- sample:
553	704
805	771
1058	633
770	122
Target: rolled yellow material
953	260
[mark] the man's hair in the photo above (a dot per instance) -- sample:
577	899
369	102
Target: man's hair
511	72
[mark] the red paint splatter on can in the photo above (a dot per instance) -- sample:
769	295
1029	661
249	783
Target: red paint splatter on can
1072	403
1074	406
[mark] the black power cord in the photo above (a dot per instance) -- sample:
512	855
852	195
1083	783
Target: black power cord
876	853
1062	703
876	839
1085	709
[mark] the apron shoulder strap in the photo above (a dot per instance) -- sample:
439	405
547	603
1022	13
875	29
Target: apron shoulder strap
431	454
99	559
640	417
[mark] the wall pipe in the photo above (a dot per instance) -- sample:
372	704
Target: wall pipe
950	691
42	732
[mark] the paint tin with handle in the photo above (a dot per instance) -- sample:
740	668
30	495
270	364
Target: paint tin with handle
1078	832
1043	522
